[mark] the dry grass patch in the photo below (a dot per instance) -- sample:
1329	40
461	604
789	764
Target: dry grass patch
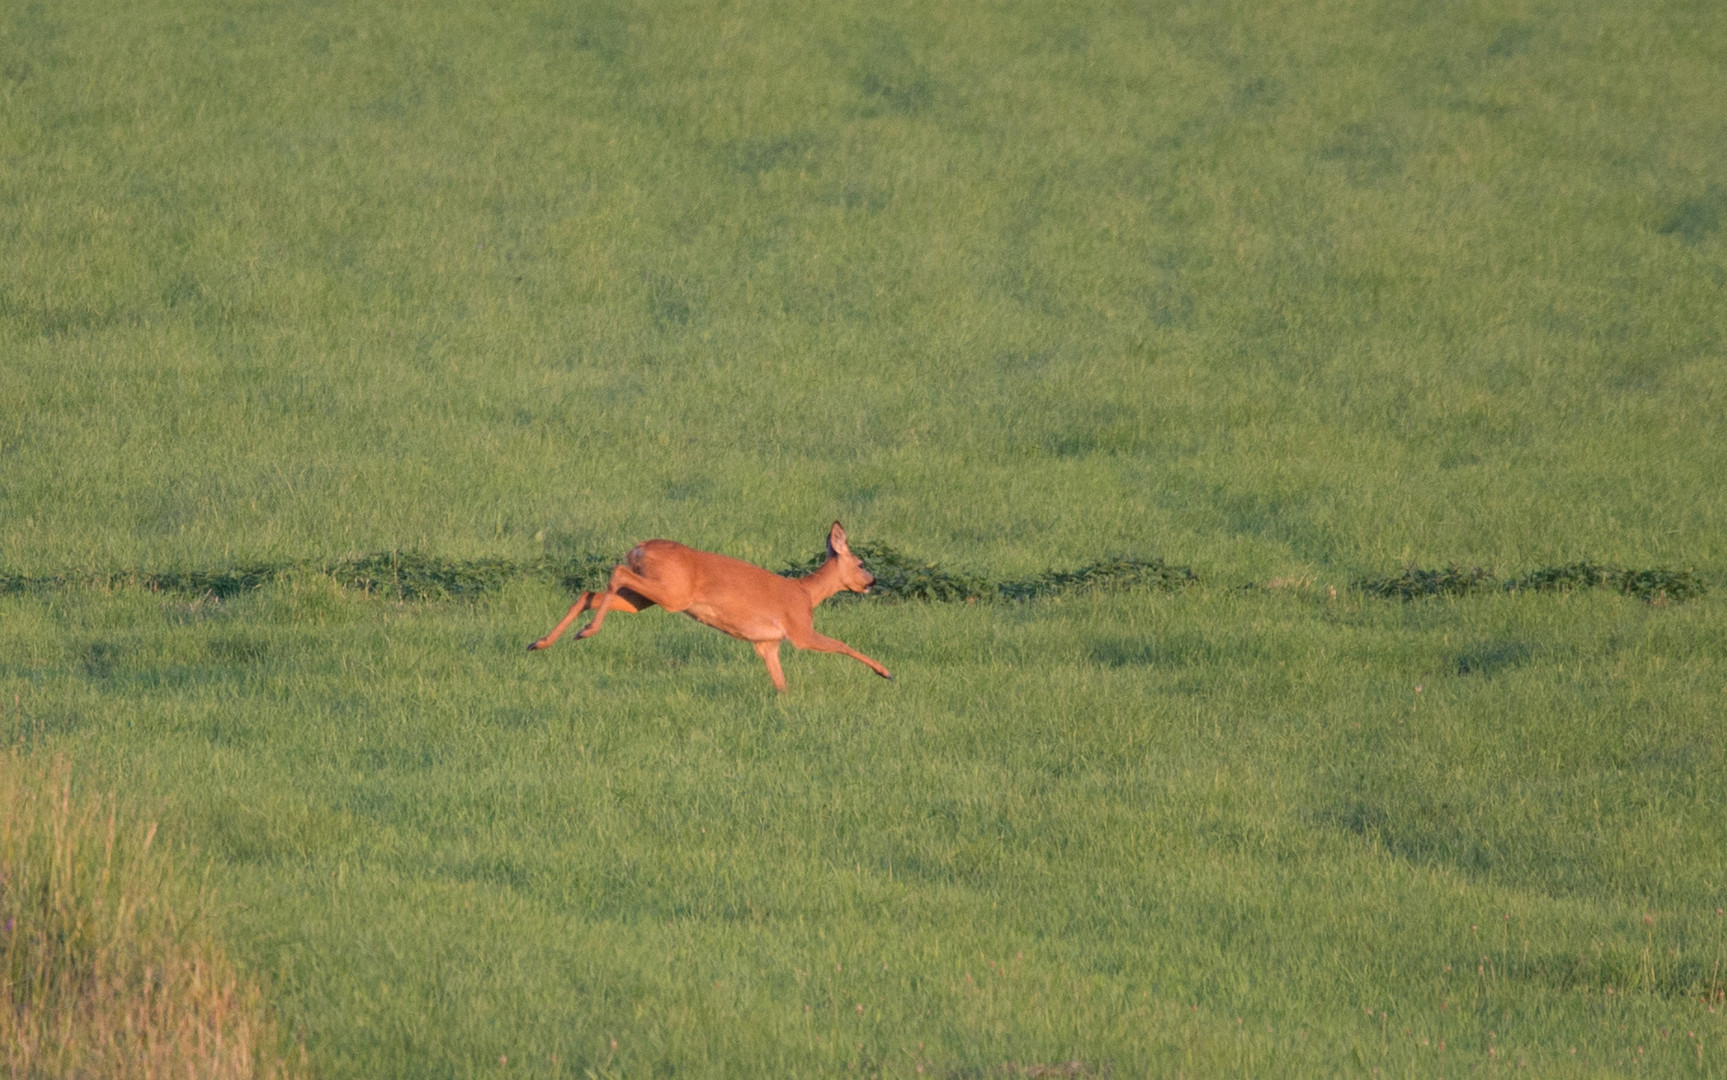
106	966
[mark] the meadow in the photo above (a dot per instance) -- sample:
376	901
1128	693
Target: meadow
1298	296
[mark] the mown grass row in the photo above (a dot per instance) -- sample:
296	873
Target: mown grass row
412	576
1653	585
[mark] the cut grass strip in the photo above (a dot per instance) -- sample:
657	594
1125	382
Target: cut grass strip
415	576
1415	582
903	577
1656	585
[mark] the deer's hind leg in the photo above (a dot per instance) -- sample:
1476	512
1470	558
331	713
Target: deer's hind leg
627	600
628	592
583	603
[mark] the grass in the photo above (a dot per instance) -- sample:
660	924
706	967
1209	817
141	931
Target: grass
1285	294
110	966
1278	291
1096	829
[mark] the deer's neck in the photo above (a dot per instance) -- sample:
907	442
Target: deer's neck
823	583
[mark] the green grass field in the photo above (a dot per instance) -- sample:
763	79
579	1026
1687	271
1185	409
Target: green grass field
1293	294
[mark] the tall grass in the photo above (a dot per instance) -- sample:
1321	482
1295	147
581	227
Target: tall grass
108	967
1281	292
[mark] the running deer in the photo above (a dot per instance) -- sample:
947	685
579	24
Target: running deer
731	596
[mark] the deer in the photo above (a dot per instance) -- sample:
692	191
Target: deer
730	595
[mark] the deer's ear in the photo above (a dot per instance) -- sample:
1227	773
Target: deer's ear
837	541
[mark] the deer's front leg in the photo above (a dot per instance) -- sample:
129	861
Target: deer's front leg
769	651
821	643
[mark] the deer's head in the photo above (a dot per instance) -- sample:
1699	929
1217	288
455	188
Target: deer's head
852	574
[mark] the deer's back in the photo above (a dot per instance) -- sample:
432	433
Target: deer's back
728	594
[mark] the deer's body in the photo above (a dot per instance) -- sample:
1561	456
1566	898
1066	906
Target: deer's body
730	595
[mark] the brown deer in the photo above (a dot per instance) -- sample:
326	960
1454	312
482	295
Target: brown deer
730	595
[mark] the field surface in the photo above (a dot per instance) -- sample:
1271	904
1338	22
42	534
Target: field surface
298	298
